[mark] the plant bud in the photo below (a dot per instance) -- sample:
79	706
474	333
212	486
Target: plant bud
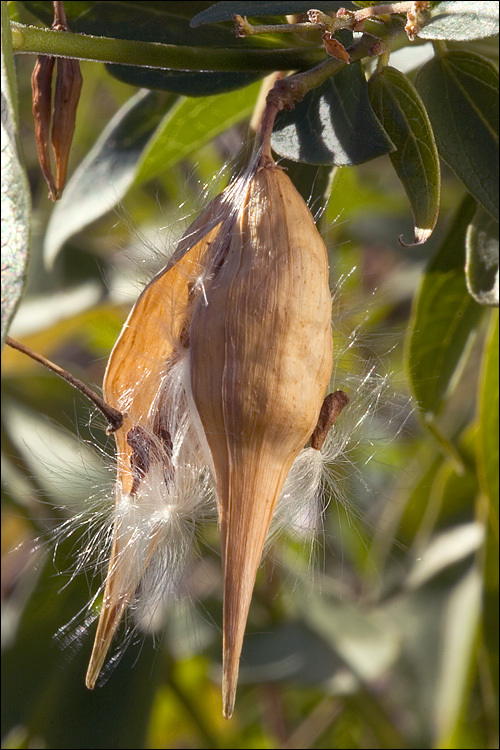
260	361
148	518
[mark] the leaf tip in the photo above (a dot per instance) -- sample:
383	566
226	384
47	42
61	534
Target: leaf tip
421	236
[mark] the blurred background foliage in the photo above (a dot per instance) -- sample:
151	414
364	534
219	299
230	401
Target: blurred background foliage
383	634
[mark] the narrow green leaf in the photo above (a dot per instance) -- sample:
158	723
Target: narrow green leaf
154	46
289	651
401	112
460	91
189	125
488	441
481	268
224	11
446	549
334	124
461	20
199	83
16	203
460	627
444	316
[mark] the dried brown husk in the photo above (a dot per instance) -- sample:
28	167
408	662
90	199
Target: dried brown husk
260	359
67	94
41	84
151	341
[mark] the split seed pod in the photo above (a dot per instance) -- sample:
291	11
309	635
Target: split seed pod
260	361
147	359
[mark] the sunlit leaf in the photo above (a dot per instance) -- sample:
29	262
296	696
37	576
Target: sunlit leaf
444	316
16	203
404	118
481	268
444	550
460	626
333	124
460	91
488	441
461	20
365	641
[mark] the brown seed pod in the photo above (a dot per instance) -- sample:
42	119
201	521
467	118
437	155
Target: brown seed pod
41	84
67	94
150	343
260	360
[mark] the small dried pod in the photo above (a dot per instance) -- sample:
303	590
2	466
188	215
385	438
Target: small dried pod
41	84
260	361
157	452
67	94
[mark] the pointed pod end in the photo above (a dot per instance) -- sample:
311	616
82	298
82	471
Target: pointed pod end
228	700
230	672
108	623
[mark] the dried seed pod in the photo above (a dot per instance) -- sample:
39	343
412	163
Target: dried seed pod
260	359
68	87
41	84
154	498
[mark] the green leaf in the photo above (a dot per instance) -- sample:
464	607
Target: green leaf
481	268
365	640
444	316
488	442
190	84
445	550
16	203
224	11
461	21
460	91
290	651
191	124
460	629
402	114
334	124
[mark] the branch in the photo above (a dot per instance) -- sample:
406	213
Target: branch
36	41
114	417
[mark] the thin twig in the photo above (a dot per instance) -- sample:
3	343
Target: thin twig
113	416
